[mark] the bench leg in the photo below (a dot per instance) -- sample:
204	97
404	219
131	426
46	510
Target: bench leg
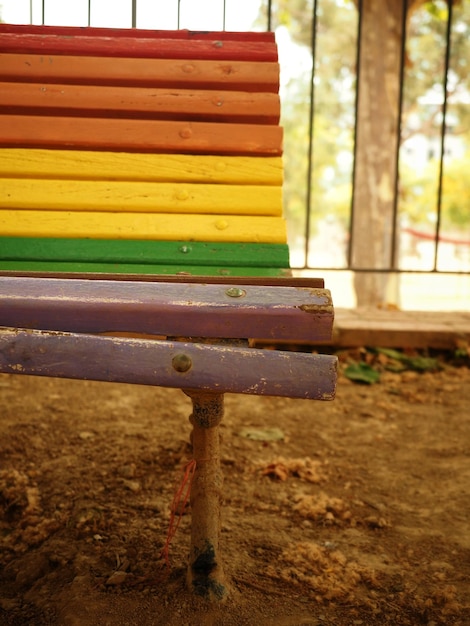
205	571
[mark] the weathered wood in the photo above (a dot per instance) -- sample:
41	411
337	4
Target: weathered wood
87	165
139	196
171	73
44	131
261	281
170	309
214	368
216	48
164	226
140	103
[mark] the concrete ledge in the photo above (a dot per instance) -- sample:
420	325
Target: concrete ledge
401	329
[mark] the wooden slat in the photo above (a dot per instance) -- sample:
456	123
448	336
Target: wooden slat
171	73
213	368
278	281
170	309
30	131
180	34
123	196
189	253
70	267
164	226
234	107
138	47
79	165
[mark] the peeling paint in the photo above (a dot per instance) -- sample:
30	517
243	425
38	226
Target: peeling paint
323	309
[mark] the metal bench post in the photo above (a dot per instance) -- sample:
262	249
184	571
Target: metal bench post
205	570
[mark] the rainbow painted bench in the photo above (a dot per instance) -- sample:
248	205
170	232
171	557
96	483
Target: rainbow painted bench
141	230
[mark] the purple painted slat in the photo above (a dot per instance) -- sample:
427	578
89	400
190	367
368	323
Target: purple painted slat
170	309
219	368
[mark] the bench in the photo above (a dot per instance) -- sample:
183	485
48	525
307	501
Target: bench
141	230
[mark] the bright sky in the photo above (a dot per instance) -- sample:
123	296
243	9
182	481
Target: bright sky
153	14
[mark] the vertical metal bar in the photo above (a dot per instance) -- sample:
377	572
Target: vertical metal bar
30	11
89	12
43	12
179	14
443	135
311	128
223	15
356	108
270	15
134	14
393	247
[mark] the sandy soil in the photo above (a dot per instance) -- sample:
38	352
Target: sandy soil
352	512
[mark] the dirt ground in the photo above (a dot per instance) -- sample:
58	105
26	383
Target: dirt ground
351	512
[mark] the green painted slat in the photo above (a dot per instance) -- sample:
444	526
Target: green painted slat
136	268
175	253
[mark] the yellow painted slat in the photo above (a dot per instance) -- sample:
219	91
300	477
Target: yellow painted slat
82	165
164	226
185	198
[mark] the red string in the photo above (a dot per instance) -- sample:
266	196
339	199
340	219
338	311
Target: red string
180	499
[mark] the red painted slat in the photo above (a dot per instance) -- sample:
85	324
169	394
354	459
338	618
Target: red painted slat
214	368
213	49
138	33
187	310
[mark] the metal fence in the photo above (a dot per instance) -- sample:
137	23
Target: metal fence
321	196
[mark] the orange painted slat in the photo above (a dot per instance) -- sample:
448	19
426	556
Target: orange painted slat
185	73
36	131
161	104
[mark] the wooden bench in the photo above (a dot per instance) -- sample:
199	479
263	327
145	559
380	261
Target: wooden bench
141	230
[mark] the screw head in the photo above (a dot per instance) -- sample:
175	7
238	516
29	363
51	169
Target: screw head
235	292
181	363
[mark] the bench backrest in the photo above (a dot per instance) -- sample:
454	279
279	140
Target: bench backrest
140	152
126	156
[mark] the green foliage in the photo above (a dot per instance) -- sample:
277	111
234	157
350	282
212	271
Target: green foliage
419	193
398	361
362	373
333	110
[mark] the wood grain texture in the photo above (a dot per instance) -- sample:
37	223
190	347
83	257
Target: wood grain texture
170	309
153	252
163	226
141	103
136	33
88	165
260	281
123	196
142	361
142	257
170	73
133	269
43	131
89	44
